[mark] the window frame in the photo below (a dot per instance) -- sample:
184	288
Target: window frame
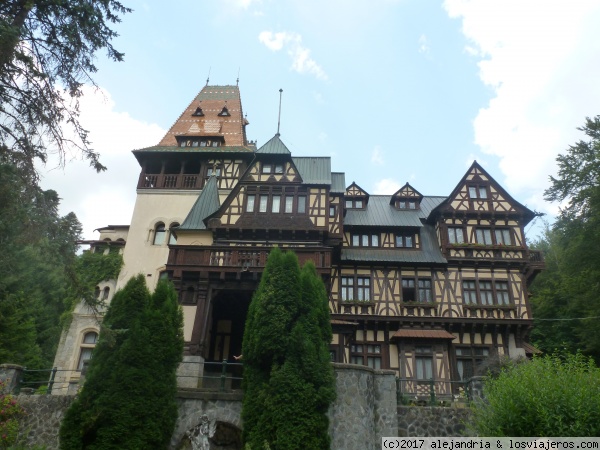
355	203
487	293
454	232
505	234
370	353
365	240
404	238
415	289
355	289
159	227
86	348
477	190
424	362
470	359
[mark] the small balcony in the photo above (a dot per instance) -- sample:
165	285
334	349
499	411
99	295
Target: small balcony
170	181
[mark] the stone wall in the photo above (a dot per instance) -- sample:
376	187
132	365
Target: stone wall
427	421
365	411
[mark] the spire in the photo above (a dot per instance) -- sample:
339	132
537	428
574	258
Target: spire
279	116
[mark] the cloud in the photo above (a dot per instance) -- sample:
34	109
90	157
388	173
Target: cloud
377	156
423	44
300	55
386	186
108	197
540	60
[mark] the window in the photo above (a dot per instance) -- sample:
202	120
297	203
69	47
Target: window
289	204
159	234
365	240
301	204
417	290
332	211
272	168
172	237
105	293
250	203
278	168
87	346
484	236
405	240
424	363
267	168
358	289
371	353
456	235
406	204
213	171
478	192
502	236
486	293
276	203
355	203
262	206
467	360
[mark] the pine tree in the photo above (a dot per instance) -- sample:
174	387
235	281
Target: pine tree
288	377
128	399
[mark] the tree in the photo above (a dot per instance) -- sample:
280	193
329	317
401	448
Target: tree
548	396
566	297
128	399
288	377
47	52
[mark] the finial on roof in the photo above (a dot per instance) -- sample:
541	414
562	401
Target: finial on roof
237	82
279	116
208	77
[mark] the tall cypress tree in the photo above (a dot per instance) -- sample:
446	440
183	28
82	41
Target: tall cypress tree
288	378
128	399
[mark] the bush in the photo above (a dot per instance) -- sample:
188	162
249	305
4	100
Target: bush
10	411
548	396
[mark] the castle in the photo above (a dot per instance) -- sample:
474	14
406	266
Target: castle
428	286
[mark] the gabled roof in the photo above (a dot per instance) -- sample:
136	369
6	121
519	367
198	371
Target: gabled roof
206	204
406	191
274	146
478	171
379	212
211	99
354	190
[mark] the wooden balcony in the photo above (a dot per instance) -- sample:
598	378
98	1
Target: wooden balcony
170	181
238	259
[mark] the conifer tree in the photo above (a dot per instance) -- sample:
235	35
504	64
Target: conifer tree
128	399
288	378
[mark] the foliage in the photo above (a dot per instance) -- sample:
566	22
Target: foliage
566	296
288	378
548	396
10	412
47	53
37	257
128	399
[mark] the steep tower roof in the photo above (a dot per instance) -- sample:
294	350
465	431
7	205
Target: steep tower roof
215	112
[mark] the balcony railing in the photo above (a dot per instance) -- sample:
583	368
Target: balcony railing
170	181
236	258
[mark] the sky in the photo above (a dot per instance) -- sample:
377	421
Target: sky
394	91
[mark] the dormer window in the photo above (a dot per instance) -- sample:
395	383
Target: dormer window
198	112
355	203
224	112
403	203
272	168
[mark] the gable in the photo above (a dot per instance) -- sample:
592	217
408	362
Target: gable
354	190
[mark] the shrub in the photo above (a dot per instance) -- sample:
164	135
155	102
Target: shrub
548	396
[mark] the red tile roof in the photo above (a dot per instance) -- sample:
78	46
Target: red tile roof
211	99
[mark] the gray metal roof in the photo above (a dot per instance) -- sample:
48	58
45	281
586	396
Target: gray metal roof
314	170
274	146
379	212
428	253
176	149
206	204
338	183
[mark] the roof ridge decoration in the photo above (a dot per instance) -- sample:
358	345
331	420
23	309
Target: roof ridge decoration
205	205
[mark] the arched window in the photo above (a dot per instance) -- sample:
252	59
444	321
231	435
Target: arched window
87	346
172	238
97	293
159	234
105	293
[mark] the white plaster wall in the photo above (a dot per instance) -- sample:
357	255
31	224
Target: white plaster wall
513	350
140	255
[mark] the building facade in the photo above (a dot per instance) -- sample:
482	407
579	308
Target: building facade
429	286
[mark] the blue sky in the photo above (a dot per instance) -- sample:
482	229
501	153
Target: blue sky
392	90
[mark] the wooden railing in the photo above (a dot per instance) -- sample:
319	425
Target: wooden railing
169	181
239	258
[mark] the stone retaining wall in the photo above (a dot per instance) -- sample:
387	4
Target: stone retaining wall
432	421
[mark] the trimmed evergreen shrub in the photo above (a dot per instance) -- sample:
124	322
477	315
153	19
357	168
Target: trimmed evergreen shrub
128	399
288	377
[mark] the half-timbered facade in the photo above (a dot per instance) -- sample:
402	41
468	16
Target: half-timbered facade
428	286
